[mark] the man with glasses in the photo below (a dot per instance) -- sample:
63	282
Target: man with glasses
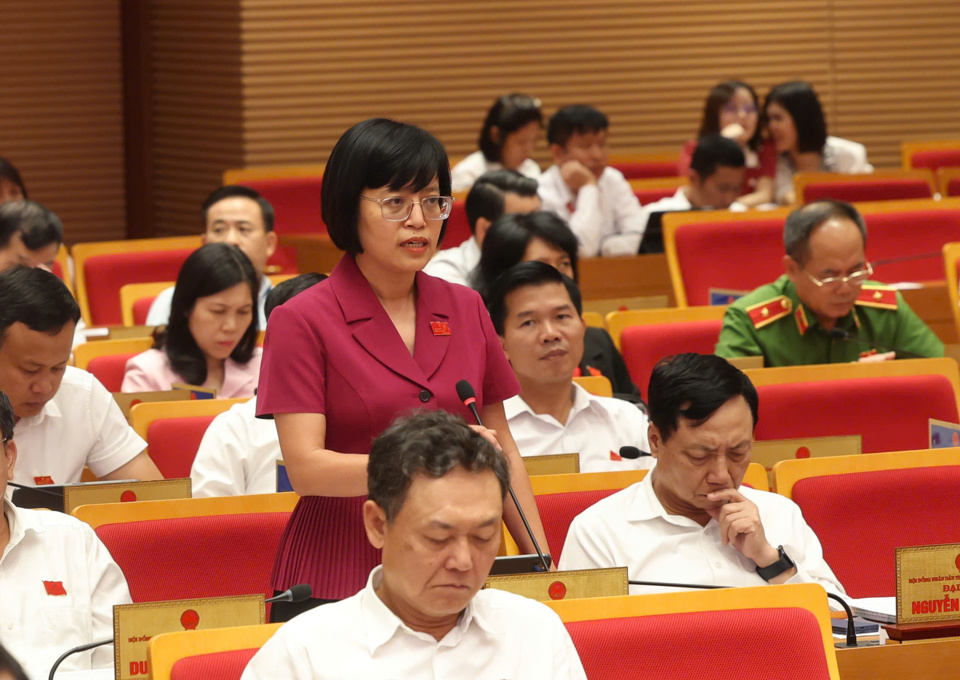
825	309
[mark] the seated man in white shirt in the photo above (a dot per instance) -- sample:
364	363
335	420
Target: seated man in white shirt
435	499
238	216
595	200
493	195
690	520
65	419
537	312
59	581
239	452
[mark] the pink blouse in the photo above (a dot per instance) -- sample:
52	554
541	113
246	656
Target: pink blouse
150	371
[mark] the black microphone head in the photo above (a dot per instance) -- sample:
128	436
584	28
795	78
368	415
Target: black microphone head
465	391
629	452
839	334
301	592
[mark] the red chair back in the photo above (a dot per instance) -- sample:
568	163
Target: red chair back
779	643
557	511
643	346
653	194
858	406
58	270
888	189
908	507
458	228
936	158
295	201
646	168
173	443
141	308
109	369
227	665
953	187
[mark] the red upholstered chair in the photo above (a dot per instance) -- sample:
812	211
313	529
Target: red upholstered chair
882	185
641	166
643	346
458	228
211	654
106	359
109	369
911	497
932	155
214	666
295	201
948	181
141	308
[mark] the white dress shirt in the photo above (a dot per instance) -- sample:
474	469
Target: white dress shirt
631	529
58	585
499	636
455	264
680	203
81	425
596	428
606	216
469	170
238	454
839	155
159	313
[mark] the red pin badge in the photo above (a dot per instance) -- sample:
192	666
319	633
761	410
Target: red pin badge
557	590
440	328
54	588
128	496
190	619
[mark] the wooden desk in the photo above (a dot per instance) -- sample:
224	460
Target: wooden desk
932	304
912	661
315	252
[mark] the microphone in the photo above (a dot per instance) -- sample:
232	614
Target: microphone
906	258
840	334
632	452
298	593
469	398
851	628
76	650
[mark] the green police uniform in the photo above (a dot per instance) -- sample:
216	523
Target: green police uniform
771	321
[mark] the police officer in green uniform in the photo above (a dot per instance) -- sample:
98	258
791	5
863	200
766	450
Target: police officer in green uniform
824	309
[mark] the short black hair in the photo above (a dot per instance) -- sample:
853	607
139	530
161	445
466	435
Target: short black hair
801	102
36	298
694	386
506	243
714	151
9	172
285	290
211	268
37	225
377	153
508	114
520	276
719	97
6	421
802	221
430	443
238	191
487	195
574	119
10	665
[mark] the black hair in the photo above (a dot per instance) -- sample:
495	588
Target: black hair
377	153
802	221
431	443
285	290
487	195
10	665
719	97
208	270
507	241
508	114
238	191
6	424
9	172
37	225
37	299
694	386
713	151
803	105
575	119
520	276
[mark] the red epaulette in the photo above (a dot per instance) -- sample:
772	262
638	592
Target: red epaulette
882	297
769	311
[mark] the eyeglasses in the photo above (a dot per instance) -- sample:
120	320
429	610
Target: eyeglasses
857	278
745	110
398	209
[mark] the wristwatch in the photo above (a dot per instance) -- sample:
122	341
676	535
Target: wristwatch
781	565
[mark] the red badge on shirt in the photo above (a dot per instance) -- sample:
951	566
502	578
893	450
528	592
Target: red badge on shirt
615	456
43	480
54	587
440	327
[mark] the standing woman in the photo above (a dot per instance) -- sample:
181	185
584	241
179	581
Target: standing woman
797	128
375	340
507	140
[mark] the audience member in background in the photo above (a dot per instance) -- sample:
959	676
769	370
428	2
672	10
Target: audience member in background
538	315
507	140
690	520
543	237
11	186
237	216
59	581
798	130
238	453
733	110
30	235
716	176
211	338
824	309
434	507
65	419
495	194
595	200
10	668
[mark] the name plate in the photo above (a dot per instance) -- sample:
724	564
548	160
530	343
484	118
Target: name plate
283	479
724	296
135	624
770	452
928	583
564	585
943	435
127	400
125	492
560	464
196	391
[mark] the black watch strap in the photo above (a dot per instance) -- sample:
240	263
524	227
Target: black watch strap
781	565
